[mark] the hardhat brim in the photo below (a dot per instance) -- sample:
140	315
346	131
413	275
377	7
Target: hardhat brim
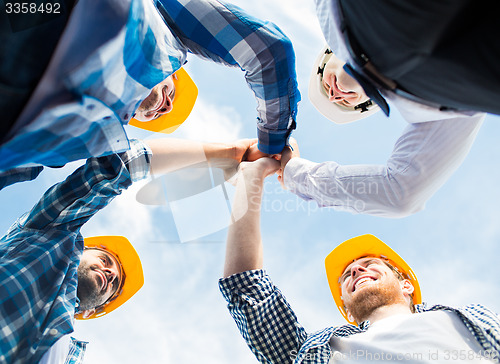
358	247
339	114
131	267
186	93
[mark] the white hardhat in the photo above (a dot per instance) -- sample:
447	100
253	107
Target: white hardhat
339	114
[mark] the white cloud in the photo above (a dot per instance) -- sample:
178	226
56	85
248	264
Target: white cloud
123	216
212	123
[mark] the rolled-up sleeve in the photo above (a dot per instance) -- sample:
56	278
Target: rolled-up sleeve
71	203
225	34
263	316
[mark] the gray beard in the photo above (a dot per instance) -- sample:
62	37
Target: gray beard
363	304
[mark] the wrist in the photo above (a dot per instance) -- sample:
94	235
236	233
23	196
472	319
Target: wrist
252	174
219	150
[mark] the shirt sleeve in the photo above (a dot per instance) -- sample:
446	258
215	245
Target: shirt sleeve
71	203
263	316
423	159
21	174
489	323
225	34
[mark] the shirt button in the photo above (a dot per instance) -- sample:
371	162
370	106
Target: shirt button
90	107
53	332
125	116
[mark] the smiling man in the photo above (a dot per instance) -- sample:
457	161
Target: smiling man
373	287
99	277
85	73
50	274
436	63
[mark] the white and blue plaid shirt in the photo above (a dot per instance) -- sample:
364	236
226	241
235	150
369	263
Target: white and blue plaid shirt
273	333
113	53
40	254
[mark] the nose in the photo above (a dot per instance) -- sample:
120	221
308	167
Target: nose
167	107
110	275
334	95
356	270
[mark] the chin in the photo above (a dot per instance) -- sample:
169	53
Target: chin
363	302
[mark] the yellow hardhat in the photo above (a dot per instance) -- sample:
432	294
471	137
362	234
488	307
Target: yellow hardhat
358	247
131	268
186	93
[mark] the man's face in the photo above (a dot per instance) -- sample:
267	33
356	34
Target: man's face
99	277
367	284
341	88
158	102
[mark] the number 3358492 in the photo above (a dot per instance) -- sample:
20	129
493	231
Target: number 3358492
32	8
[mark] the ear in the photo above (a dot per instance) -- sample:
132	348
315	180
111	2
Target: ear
88	313
406	287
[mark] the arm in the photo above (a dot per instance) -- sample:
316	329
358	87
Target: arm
262	314
225	34
244	243
71	203
423	159
172	154
90	188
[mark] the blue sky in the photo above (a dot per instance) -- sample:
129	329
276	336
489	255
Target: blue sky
180	317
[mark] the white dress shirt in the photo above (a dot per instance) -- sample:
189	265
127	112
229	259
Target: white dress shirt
430	149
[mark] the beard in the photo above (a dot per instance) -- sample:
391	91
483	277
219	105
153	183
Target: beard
87	290
363	303
150	101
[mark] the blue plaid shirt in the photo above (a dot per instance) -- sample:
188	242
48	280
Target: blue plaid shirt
76	352
41	251
105	65
273	333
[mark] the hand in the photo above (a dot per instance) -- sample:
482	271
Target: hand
262	167
286	155
254	153
243	148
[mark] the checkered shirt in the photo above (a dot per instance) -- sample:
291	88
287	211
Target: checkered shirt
225	34
41	251
273	333
98	85
76	352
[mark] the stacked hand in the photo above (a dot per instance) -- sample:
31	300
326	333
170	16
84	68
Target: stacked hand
260	168
246	151
287	154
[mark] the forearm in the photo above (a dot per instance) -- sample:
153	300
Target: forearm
259	48
173	154
244	243
424	157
